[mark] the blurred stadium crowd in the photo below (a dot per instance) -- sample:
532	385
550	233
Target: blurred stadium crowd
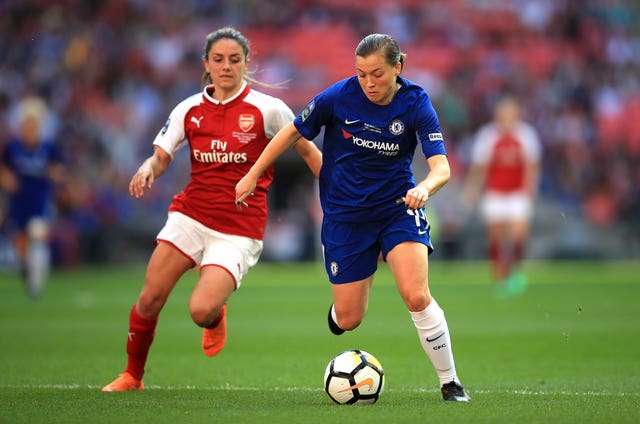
112	70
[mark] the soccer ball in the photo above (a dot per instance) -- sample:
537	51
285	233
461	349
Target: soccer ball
354	376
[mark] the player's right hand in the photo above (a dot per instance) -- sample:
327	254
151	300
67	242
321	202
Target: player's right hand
244	189
144	177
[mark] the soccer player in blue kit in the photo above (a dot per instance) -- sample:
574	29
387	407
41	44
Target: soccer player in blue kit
373	122
30	167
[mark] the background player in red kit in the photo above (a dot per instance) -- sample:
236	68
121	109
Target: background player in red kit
505	168
226	127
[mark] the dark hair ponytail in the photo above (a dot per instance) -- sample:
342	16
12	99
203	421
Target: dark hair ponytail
231	34
383	44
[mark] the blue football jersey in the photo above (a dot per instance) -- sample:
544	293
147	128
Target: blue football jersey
368	148
35	188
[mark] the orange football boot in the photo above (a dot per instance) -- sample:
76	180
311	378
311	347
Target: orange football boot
213	339
123	383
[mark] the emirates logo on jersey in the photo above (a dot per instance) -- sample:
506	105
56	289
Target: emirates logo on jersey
246	121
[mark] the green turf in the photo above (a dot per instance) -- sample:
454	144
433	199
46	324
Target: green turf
568	350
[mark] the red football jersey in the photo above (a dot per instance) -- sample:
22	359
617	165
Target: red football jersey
225	139
506	154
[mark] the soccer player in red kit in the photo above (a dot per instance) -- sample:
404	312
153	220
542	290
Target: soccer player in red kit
505	163
226	128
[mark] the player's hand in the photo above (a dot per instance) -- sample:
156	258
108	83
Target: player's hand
8	181
416	198
141	179
244	189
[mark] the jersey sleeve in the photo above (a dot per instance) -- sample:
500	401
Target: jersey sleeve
531	143
428	128
172	136
279	115
315	115
482	145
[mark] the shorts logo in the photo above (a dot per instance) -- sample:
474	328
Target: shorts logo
396	127
334	268
307	110
435	137
246	121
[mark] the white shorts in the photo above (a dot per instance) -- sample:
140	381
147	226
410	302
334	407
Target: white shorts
496	207
205	246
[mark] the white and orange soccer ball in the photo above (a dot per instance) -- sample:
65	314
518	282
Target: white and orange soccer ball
354	376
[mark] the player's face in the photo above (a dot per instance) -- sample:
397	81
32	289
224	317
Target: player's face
30	130
226	64
377	78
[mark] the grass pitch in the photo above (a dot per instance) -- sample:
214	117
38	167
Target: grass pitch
566	351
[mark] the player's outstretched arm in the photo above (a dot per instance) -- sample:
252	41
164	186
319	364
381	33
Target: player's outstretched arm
438	175
311	155
283	140
151	168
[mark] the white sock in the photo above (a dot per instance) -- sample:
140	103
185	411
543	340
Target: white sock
38	258
334	317
436	342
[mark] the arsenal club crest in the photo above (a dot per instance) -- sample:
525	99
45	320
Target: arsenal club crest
246	121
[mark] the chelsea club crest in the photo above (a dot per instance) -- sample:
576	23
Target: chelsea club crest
396	127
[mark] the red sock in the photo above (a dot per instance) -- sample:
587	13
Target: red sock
497	260
518	251
141	332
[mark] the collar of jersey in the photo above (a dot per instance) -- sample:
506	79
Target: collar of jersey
240	93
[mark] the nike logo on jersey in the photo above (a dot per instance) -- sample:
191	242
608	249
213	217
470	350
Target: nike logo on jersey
349	122
196	121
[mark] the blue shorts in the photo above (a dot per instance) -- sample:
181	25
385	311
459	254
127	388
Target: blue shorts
351	250
21	212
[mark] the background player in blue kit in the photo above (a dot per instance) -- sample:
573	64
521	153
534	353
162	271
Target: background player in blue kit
29	168
373	122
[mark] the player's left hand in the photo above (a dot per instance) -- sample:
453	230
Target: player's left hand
416	198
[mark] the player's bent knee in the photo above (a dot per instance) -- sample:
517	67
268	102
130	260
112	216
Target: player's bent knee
416	301
37	229
349	321
350	325
200	320
202	316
